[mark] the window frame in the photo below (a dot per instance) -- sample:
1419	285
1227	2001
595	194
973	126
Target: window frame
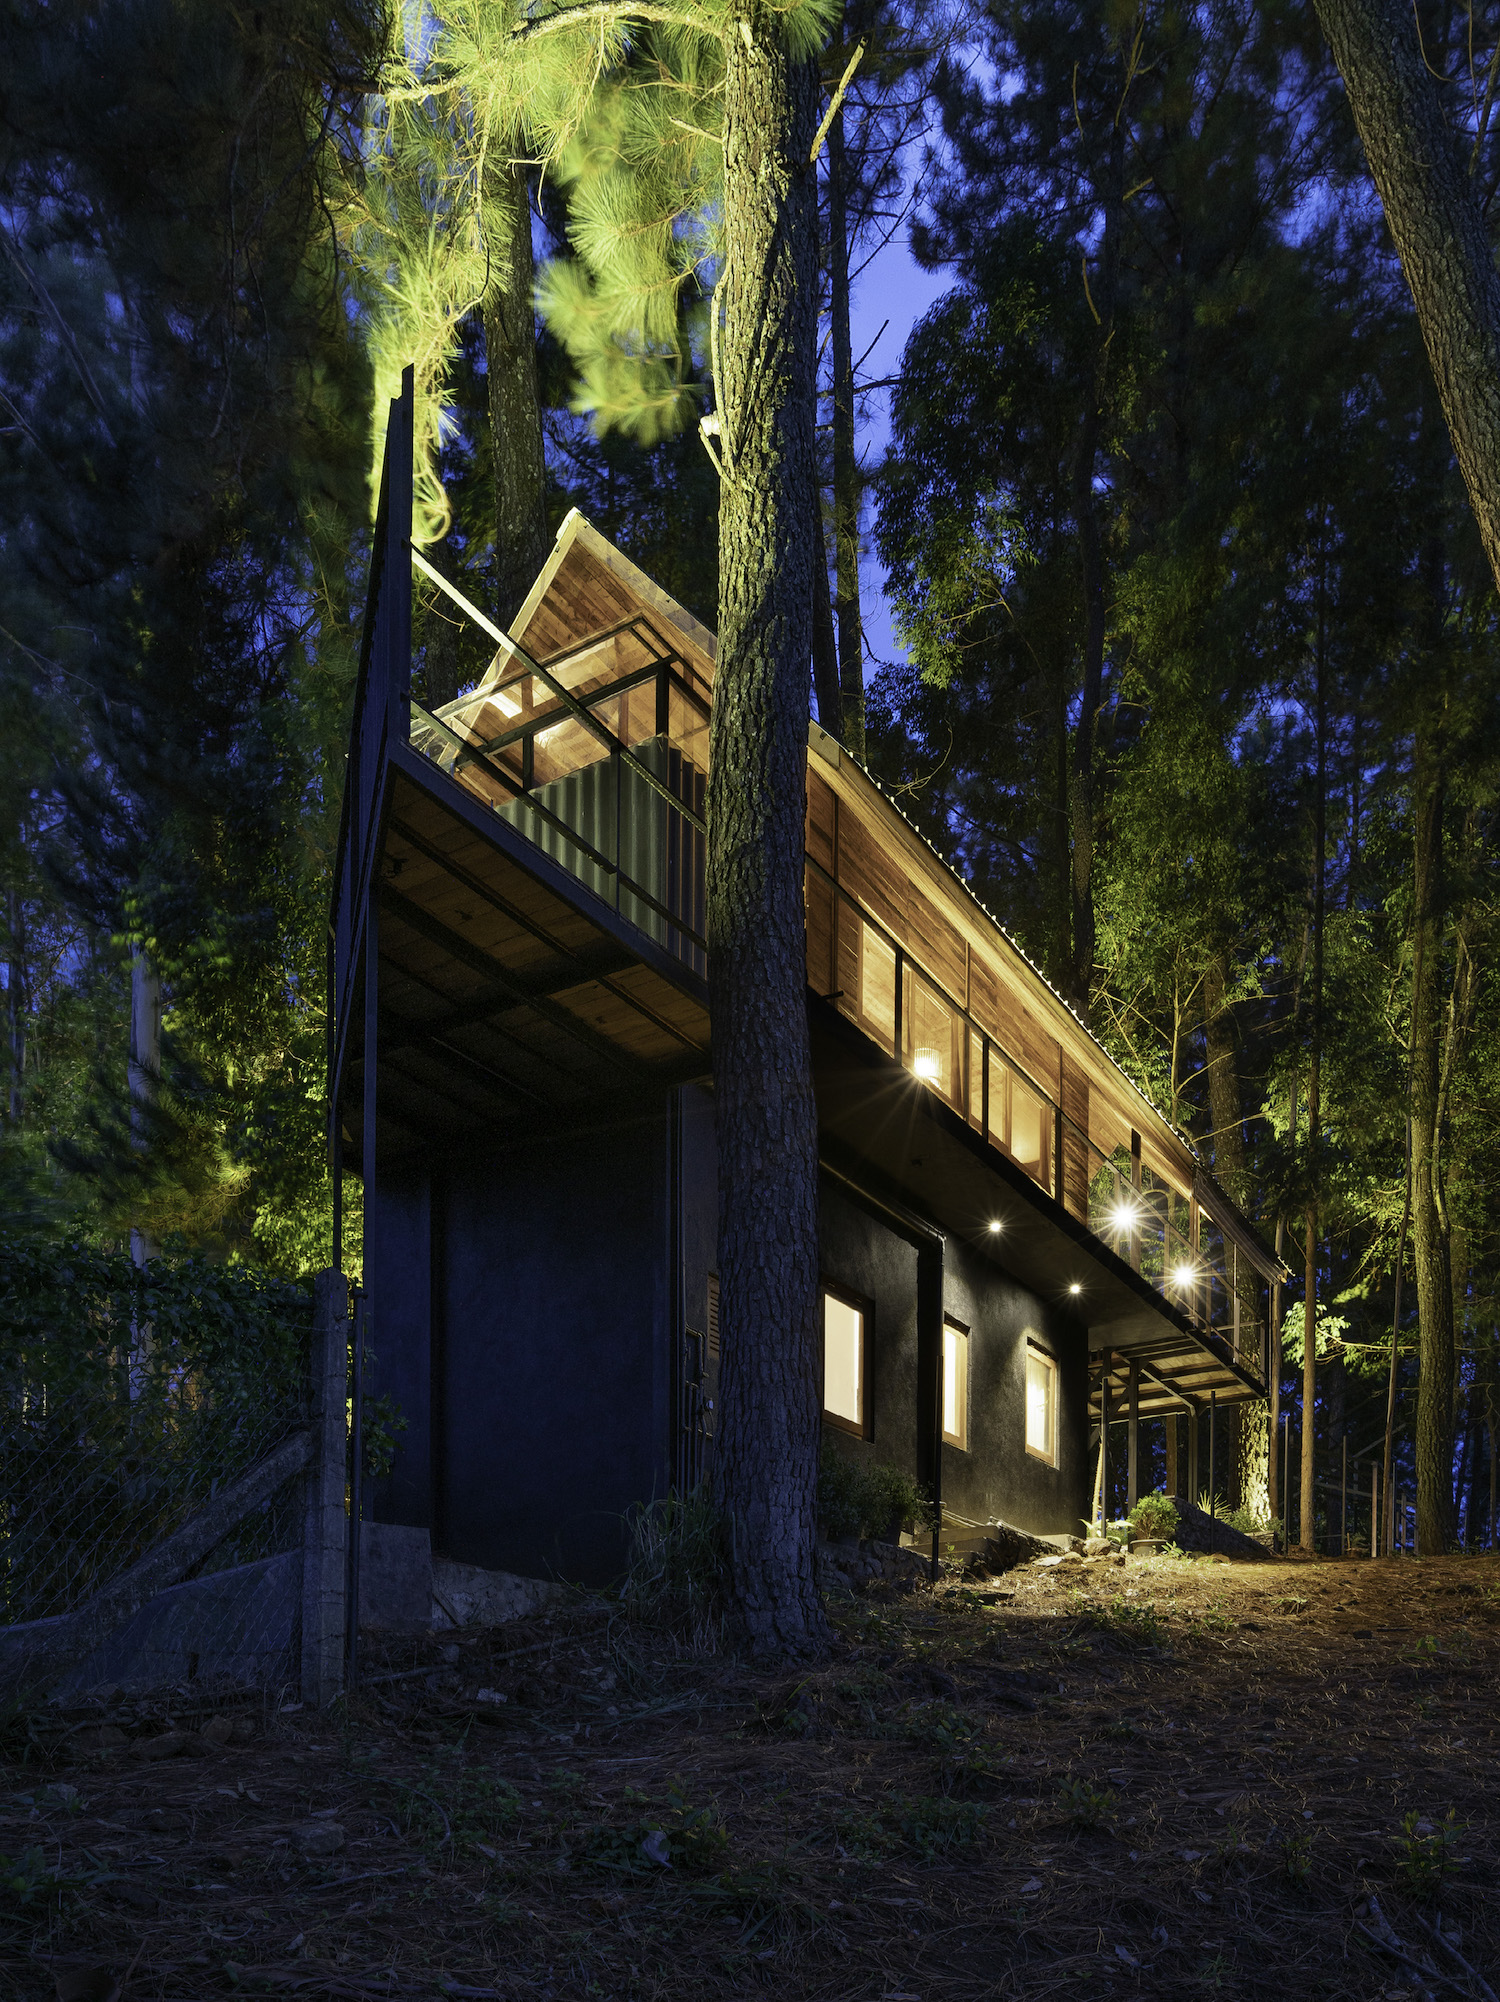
959	1441
1049	1362
862	1305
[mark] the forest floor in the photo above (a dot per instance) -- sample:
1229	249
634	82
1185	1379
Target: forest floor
1168	1778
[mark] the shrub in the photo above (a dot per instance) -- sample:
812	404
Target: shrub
1155	1516
859	1500
675	1578
1243	1518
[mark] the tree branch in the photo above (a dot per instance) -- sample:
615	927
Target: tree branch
586	11
833	104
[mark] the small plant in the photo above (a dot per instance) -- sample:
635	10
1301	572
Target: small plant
675	1578
1085	1806
1242	1518
692	1839
1173	1550
1296	1857
1290	1606
1426	1852
1155	1516
859	1500
1138	1626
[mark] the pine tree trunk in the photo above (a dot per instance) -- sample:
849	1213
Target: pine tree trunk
518	460
1429	1223
16	984
1433	210
851	636
766	1456
825	640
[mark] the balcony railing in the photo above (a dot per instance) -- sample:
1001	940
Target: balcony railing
599	756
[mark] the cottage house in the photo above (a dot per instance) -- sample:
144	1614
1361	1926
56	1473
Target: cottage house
1016	1245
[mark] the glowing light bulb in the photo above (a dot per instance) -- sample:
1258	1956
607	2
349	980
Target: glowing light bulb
1123	1215
1184	1275
1075	1287
927	1066
996	1226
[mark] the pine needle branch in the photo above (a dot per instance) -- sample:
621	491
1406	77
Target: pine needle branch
834	102
616	11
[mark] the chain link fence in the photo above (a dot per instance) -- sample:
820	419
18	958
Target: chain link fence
149	1428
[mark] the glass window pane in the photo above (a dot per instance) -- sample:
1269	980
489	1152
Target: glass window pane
877	986
929	1036
955	1386
1029	1134
1040	1379
843	1360
976	1080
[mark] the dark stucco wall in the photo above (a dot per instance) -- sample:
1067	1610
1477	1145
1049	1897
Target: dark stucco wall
398	1293
995	1479
548	1358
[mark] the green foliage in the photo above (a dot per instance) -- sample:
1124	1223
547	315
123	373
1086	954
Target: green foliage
1154	1516
1137	1625
679	1837
1085	1806
382	1421
1242	1517
129	1394
860	1498
926	1826
1296	1857
1425	1852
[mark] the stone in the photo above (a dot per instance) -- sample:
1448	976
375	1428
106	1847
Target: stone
319	1838
468	1596
1006	1547
218	1729
98	1738
1197	1532
170	1745
657	1849
1098	1546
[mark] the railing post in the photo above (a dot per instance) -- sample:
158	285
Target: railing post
1133	1441
325	1525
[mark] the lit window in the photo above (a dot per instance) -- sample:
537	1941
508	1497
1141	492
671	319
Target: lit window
1041	1406
877	985
843	1363
955	1385
928	1025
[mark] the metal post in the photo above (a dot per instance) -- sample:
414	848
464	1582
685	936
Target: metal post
1344	1504
1193	1482
1213	1494
1133	1440
325	1525
1104	1446
1286	1493
356	1480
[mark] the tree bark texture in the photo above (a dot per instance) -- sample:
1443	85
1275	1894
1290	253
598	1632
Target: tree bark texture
1246	1427
521	539
1093	583
825	639
1432	209
1429	1222
766	1455
851	638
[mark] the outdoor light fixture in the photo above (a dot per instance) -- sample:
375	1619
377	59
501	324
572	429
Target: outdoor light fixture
1075	1287
1123	1216
996	1226
927	1066
1183	1275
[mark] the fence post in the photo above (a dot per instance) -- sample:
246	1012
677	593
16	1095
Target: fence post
325	1523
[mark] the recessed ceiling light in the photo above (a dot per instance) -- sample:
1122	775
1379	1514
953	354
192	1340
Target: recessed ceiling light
996	1225
1075	1287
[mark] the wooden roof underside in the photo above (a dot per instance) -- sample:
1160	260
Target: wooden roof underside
509	996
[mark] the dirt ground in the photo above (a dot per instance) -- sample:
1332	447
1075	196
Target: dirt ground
1167	1778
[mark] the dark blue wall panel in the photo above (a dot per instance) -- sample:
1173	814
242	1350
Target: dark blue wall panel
554	1352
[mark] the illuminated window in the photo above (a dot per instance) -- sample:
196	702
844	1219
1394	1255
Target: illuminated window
877	986
928	1025
1041	1406
845	1383
955	1385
